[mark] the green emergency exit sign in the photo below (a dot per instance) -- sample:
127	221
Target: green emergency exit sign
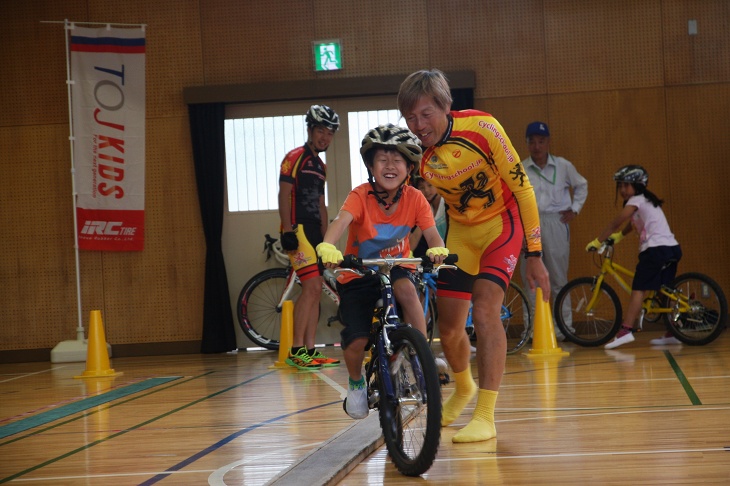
327	55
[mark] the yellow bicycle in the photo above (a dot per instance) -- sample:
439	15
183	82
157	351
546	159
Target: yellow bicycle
588	311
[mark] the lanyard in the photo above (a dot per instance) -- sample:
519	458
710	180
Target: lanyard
539	173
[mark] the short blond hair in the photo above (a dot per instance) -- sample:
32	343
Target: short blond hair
431	83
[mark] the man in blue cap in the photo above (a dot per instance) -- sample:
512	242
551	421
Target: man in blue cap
553	178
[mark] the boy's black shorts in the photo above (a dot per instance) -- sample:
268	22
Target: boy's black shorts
357	303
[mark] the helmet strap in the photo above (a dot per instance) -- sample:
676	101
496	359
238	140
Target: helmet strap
379	198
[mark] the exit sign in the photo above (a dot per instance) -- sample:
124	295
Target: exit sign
327	55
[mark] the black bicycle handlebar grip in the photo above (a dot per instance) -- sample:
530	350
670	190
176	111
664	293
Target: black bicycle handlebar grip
451	259
351	261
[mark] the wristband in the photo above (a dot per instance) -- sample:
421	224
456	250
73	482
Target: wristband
537	253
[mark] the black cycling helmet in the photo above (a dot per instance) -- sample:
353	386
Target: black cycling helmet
633	174
322	115
391	136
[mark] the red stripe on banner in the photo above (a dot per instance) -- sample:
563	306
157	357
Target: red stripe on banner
108	48
110	229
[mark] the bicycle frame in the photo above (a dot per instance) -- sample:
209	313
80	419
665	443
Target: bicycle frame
609	267
293	280
385	320
430	286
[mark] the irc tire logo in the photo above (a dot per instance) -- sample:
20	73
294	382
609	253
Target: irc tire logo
104	228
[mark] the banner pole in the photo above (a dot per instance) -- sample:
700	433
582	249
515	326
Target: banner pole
70	351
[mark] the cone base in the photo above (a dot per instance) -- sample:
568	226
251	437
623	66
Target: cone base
99	374
546	352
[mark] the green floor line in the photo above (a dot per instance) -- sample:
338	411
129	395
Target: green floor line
682	379
81	405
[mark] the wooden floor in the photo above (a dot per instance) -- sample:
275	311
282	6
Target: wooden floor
635	415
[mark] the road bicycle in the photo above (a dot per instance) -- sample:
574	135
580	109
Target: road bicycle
401	374
694	307
262	297
516	314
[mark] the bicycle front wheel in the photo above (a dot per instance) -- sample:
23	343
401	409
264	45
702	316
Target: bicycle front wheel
707	313
516	318
410	413
258	307
578	323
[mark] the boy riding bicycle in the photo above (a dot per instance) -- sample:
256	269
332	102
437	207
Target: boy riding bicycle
379	215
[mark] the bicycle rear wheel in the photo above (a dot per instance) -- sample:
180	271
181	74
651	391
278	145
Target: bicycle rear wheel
708	310
258	310
587	327
410	413
516	317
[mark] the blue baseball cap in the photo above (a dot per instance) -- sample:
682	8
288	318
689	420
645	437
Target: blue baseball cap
537	128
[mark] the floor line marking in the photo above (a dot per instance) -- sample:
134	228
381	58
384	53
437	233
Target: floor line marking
332	383
682	379
130	429
64	411
24	375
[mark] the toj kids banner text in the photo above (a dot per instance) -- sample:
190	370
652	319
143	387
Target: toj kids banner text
108	108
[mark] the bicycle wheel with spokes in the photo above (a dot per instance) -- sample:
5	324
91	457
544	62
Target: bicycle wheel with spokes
258	309
707	313
578	323
410	413
516	318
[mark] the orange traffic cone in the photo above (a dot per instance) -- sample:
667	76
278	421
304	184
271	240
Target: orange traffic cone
286	335
97	356
543	336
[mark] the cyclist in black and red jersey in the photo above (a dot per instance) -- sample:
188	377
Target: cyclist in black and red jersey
303	224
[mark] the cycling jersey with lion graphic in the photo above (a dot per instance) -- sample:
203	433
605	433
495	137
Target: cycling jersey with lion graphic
479	174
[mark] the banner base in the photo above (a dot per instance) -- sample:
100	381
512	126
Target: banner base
72	351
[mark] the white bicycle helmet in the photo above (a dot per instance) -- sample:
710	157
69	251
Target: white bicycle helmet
392	136
322	115
633	174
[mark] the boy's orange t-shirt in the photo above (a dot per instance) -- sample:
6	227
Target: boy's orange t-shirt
373	234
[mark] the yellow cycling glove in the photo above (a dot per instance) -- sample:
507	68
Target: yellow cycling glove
328	253
617	236
593	245
437	251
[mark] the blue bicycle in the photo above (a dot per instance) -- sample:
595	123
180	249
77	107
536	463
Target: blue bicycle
516	314
401	375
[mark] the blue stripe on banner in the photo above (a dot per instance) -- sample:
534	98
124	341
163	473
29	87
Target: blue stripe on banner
85	404
112	41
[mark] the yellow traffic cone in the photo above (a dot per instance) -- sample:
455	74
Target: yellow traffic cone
97	356
286	334
543	335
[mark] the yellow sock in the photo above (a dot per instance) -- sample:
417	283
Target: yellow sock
481	426
463	393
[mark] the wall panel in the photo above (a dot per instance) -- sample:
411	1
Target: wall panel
701	58
596	45
502	41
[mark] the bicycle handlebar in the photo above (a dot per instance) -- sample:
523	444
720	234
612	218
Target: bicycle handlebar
361	264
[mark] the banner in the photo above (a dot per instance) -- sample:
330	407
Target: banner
108	108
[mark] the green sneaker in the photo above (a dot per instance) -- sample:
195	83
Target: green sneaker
323	360
302	360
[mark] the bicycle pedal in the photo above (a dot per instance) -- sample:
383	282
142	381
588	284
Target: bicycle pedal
444	378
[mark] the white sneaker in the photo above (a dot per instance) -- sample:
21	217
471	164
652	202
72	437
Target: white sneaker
356	403
441	365
664	340
619	341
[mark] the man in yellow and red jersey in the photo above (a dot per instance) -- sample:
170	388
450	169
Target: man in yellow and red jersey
303	224
492	213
